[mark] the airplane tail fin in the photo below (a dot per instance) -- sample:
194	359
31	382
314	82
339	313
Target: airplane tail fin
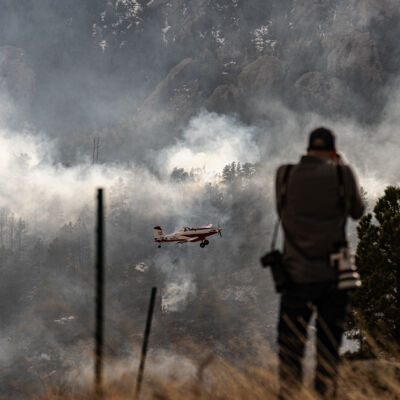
158	232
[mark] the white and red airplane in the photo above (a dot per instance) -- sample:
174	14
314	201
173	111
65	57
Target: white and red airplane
187	234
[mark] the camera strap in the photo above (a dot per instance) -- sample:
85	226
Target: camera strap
283	190
275	234
282	202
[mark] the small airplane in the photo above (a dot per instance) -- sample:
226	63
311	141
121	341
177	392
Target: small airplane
187	234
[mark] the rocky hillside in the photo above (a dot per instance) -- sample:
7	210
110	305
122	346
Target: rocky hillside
332	57
153	64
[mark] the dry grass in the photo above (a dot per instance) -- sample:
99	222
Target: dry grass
217	379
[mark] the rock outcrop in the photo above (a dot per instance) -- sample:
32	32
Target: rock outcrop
317	91
355	59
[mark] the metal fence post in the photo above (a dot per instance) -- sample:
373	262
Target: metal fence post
99	330
145	342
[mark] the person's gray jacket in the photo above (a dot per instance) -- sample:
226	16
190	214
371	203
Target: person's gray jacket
313	218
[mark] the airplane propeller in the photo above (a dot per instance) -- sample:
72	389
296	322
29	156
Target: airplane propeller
219	230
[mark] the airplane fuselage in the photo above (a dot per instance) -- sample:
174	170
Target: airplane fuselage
198	234
186	234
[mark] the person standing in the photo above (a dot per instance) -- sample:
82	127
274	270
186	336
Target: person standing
314	199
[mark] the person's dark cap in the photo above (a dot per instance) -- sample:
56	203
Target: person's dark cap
322	139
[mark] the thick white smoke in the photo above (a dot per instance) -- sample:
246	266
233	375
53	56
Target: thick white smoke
33	185
210	142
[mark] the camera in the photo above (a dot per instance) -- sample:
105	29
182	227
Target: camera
347	276
273	259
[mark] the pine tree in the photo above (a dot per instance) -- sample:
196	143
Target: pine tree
229	173
376	306
179	175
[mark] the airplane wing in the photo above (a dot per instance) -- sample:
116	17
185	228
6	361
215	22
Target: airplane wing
185	240
206	226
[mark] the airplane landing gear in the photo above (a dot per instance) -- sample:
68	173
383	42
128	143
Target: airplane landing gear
159	246
204	243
